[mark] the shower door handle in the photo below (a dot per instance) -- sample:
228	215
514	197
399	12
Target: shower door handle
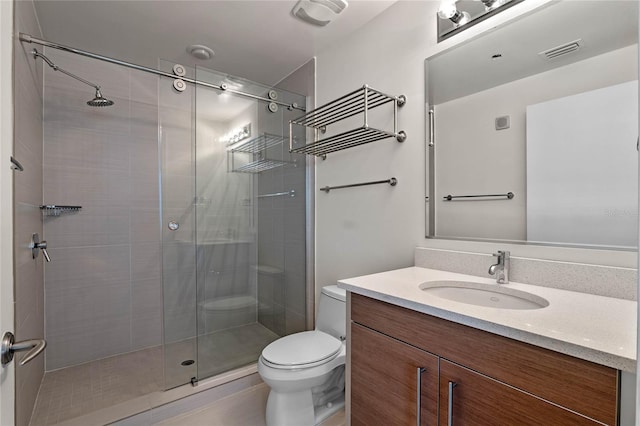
9	347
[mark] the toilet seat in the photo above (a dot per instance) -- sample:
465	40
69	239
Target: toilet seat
301	350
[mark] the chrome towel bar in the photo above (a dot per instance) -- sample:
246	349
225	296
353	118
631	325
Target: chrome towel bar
291	193
508	195
391	181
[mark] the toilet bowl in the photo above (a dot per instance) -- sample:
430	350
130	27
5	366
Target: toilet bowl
305	371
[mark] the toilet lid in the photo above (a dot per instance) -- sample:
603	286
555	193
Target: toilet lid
302	349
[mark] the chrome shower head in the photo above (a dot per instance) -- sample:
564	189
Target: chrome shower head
99	100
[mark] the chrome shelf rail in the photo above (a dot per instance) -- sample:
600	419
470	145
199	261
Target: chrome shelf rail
508	195
391	181
256	148
259	166
360	101
55	210
257	144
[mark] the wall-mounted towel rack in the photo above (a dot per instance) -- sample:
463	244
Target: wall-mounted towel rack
359	101
392	181
508	195
254	155
291	193
55	210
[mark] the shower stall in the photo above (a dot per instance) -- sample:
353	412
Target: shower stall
185	253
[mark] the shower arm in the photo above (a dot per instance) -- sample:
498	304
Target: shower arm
37	54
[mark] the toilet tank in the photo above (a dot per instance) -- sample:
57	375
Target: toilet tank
332	311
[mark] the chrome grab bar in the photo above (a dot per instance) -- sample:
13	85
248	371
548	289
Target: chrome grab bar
291	193
9	347
508	195
420	370
391	181
450	411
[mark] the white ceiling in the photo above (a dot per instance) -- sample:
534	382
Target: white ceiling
258	40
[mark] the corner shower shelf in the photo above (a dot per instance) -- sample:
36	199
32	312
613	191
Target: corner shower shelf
55	210
256	148
359	101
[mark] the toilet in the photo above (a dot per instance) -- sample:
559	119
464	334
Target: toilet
305	371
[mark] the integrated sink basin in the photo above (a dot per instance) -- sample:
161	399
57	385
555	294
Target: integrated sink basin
489	295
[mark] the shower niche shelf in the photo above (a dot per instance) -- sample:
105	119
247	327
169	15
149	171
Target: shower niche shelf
360	101
56	210
252	156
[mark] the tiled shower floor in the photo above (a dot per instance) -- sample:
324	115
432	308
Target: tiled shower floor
79	390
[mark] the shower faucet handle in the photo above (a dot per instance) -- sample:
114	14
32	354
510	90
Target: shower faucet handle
36	246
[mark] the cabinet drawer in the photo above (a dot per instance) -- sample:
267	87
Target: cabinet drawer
581	386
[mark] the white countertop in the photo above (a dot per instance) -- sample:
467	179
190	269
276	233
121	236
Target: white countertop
595	328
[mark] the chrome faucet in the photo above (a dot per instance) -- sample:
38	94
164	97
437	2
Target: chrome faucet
501	269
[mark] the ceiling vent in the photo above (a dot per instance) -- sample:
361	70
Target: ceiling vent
318	12
561	50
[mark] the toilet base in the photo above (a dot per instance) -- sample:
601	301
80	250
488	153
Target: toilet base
296	409
324	412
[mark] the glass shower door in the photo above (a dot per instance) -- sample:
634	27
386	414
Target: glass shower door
178	222
233	225
242	159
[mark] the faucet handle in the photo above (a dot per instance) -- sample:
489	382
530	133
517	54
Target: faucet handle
505	254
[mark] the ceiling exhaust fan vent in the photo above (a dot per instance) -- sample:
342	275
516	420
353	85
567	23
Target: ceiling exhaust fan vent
561	50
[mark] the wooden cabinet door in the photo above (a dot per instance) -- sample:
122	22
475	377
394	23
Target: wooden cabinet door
475	399
384	381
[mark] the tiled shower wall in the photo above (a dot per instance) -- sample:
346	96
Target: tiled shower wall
29	285
103	286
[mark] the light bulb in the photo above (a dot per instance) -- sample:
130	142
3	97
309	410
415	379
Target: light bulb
461	18
447	9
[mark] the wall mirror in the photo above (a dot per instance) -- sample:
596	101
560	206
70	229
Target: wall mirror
533	130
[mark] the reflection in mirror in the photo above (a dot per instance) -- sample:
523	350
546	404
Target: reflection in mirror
548	111
455	16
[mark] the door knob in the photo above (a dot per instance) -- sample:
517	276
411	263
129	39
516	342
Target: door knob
9	347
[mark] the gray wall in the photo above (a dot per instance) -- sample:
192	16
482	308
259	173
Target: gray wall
29	285
103	286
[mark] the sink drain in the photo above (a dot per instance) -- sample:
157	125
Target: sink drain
187	362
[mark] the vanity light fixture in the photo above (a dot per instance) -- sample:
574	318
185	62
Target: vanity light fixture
492	4
448	10
455	16
236	137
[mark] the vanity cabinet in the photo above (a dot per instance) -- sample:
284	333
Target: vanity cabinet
394	381
498	380
476	399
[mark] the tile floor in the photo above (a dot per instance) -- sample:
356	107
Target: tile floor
74	391
79	390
